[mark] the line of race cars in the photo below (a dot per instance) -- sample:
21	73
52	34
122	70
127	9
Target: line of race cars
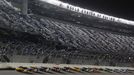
70	69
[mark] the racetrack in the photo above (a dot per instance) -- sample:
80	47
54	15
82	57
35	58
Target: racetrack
3	72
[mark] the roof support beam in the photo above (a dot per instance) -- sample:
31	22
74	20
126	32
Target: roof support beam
25	7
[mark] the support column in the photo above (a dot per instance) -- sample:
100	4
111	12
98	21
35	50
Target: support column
25	7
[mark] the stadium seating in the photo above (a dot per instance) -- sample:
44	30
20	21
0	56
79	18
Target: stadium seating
60	38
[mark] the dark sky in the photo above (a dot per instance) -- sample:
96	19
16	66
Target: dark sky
119	8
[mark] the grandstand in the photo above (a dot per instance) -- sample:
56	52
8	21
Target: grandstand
44	37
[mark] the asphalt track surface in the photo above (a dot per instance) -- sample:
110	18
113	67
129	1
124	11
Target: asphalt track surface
65	73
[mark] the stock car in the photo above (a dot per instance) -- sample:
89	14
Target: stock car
34	69
56	69
117	71
102	69
94	70
67	69
44	69
130	71
121	71
76	69
124	70
85	69
108	70
23	69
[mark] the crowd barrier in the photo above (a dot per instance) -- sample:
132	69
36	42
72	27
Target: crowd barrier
15	65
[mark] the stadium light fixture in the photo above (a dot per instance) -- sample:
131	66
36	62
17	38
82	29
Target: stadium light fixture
103	16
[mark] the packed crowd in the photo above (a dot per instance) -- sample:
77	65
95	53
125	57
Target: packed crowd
60	37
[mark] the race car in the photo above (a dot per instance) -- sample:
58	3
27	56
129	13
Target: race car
67	69
85	69
121	70
108	70
56	69
44	69
129	71
94	70
20	69
117	70
34	69
124	70
23	69
101	69
76	69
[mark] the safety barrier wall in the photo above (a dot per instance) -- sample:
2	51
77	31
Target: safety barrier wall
14	65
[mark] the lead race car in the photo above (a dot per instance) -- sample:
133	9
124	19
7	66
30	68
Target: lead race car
24	69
